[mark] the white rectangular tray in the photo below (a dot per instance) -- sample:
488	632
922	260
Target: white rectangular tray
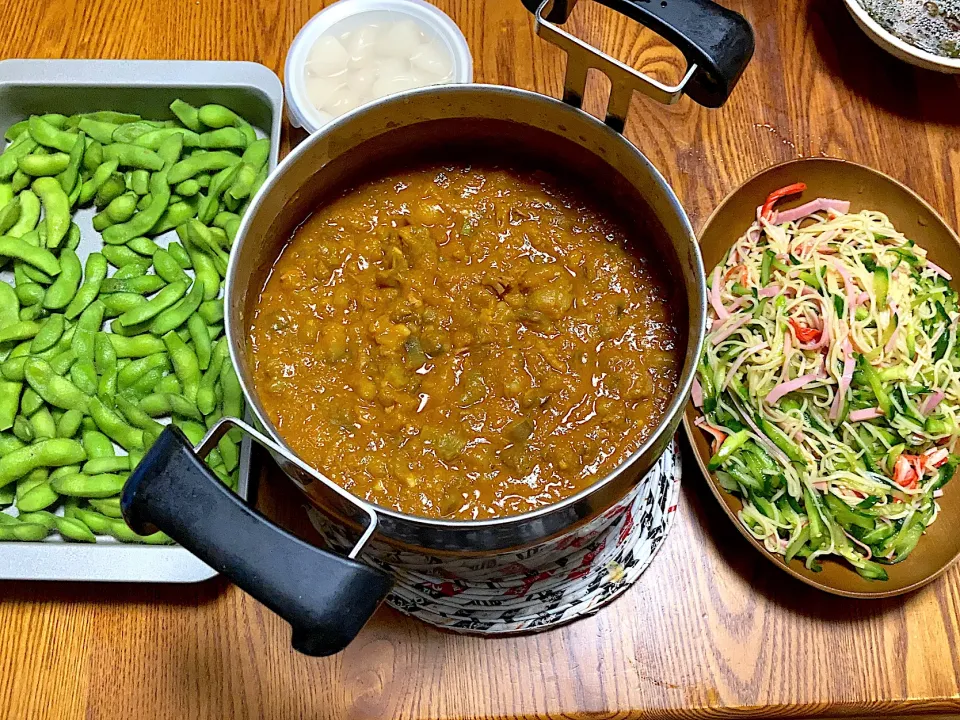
146	87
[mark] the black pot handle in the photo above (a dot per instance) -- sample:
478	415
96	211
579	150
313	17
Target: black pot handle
717	44
326	598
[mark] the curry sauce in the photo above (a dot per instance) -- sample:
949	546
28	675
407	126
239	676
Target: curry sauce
465	341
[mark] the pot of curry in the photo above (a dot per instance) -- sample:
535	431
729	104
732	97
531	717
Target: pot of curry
466	320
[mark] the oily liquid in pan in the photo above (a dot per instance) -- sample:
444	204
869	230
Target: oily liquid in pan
465	340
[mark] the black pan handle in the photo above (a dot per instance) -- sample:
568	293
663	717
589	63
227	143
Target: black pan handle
716	42
326	598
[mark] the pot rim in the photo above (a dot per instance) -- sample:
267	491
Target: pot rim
688	370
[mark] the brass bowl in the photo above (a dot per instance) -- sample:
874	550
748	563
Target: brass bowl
866	189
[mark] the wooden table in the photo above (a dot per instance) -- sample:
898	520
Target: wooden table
710	630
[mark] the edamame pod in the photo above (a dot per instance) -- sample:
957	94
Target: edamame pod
56	390
201	162
168	268
137	417
64	288
56	211
73	529
102	132
22	330
89	486
187	114
154	138
144	285
144	246
217	116
107	506
95	271
174	317
157	304
111	464
132	156
201	340
49	136
68	178
86	328
113	426
185	364
25	532
121	256
162	404
43	165
118	303
29	214
43	424
137	346
97	445
37	257
223	138
69	423
103	173
92	156
176	213
9	215
143	221
51	330
112	187
10	156
47	453
38	498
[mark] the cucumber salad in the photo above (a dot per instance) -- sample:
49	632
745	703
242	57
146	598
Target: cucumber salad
830	383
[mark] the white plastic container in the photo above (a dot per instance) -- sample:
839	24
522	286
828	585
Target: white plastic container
347	15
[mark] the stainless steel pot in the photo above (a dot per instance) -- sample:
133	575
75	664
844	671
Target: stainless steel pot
327	598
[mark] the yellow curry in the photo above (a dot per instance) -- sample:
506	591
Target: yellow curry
465	341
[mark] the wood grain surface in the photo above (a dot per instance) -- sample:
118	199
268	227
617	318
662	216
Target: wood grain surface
710	630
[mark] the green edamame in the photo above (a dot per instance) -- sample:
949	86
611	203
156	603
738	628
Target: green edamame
178	253
97	445
49	136
64	288
95	271
29	214
87	326
144	246
118	303
185	364
103	173
187	114
143	221
136	416
175	316
169	384
68	178
200	335
109	464
43	165
200	162
121	256
154	138
92	156
211	311
22	330
113	426
38	498
89	486
9	215
25	532
112	187
175	214
51	330
23	429
105	362
47	453
100	131
54	389
37	257
69	423
168	268
161	404
217	116
39	517
188	188
137	346
107	506
132	156
121	209
223	138
43	424
8	160
73	529
56	210
157	304
143	285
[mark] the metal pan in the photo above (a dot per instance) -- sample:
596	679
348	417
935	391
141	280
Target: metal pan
866	189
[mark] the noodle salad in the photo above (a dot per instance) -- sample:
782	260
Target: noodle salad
830	383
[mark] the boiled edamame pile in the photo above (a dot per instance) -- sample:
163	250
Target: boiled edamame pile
94	350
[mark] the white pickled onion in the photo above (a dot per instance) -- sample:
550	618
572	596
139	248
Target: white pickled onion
866	414
715	295
787	387
930	404
696	393
731	328
939	271
769	291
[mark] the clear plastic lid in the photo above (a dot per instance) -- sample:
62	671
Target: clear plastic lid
348	15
